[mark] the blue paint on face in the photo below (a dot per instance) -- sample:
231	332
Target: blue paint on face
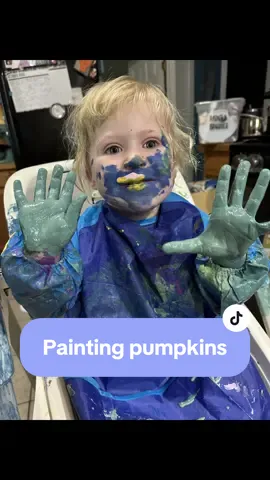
156	170
136	163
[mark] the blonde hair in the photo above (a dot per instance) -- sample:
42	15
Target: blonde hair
103	100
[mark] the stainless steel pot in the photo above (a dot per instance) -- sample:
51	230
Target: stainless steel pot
251	125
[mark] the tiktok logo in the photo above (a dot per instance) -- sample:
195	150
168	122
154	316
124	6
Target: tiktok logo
236	318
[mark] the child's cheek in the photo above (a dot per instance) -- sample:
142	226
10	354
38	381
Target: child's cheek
167	159
96	169
99	176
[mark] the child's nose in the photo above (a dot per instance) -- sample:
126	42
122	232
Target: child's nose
134	163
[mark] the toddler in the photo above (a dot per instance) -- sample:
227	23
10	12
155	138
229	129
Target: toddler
143	251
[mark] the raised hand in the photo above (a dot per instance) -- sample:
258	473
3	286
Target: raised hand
232	228
49	223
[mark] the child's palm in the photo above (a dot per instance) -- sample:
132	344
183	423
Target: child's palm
232	228
229	233
49	223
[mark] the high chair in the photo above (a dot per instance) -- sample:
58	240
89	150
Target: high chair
51	398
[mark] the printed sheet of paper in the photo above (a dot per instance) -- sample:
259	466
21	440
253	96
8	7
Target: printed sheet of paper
61	91
40	88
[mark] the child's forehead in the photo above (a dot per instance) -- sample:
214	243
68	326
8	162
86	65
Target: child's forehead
127	118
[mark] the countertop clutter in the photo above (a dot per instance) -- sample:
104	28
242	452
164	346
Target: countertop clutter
7	168
230	131
6	154
215	156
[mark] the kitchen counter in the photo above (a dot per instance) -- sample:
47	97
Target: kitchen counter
215	156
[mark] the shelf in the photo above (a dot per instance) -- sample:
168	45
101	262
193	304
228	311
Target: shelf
214	147
7	166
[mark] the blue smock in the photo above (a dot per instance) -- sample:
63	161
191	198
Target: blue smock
115	267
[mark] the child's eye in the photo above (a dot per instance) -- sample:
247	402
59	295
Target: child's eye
112	150
151	144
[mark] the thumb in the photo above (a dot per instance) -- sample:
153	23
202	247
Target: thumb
264	227
74	210
194	245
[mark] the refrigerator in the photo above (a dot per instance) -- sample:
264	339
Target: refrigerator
36	100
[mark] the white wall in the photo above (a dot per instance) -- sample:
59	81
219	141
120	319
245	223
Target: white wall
147	71
180	91
223	80
179	80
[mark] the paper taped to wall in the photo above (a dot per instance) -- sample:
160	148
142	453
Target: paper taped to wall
40	88
30	90
61	91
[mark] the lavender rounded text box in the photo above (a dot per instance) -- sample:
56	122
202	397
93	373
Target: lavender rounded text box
133	347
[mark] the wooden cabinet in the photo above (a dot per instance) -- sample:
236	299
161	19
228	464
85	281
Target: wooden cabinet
6	170
215	156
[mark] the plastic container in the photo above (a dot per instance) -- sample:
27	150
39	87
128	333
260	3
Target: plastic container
219	120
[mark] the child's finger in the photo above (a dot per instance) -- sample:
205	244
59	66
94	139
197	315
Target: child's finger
264	227
20	198
55	185
258	193
74	210
239	184
194	245
222	188
68	188
40	189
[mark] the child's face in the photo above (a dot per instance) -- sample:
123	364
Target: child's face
131	163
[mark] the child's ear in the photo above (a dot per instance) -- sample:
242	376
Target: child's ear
93	184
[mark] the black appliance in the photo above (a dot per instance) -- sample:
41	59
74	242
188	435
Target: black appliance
36	136
257	151
246	78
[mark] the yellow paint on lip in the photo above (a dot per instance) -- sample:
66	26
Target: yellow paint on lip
129	180
137	186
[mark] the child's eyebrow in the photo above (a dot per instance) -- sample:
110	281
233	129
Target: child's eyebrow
148	132
116	136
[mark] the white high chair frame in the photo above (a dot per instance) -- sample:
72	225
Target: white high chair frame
52	401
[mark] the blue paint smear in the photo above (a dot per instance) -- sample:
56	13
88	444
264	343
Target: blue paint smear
157	175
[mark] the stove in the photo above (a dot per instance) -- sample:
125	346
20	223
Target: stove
257	151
